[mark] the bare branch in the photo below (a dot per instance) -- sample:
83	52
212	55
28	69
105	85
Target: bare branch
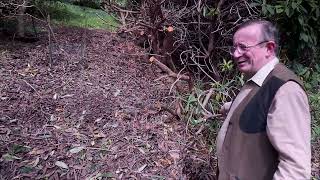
168	70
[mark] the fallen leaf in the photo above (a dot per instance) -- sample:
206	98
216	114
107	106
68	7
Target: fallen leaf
99	135
52	118
163	146
76	149
101	176
36	151
9	157
142	168
141	150
68	95
3	98
71	130
98	120
165	162
78	167
52	153
116	93
4	130
55	96
61	164
174	154
113	125
13	121
59	109
57	127
35	162
107	175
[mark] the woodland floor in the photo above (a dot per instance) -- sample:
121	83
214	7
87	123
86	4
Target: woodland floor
95	113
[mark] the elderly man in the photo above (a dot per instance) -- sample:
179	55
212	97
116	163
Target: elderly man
267	131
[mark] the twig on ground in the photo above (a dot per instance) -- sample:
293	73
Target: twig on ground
32	87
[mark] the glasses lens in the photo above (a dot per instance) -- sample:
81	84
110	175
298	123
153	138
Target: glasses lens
232	49
242	48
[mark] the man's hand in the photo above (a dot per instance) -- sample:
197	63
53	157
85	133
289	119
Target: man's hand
224	110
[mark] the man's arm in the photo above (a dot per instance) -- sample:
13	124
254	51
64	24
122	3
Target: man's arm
289	131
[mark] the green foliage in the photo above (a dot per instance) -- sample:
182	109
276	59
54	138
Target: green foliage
300	21
311	78
73	15
226	65
123	3
195	112
222	92
95	4
314	100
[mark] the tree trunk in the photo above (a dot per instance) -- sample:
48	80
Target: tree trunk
21	10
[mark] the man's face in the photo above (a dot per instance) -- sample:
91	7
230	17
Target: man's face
253	58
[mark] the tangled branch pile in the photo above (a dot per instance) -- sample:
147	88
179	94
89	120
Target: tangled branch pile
188	40
188	34
12	7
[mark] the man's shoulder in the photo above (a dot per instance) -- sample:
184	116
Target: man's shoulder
285	74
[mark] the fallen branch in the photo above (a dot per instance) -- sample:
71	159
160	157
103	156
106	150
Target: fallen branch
168	70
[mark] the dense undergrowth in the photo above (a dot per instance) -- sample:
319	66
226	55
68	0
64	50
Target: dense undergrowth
311	78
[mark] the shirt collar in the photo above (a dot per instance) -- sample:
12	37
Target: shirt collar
261	75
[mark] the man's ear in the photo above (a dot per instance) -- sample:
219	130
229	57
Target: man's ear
271	47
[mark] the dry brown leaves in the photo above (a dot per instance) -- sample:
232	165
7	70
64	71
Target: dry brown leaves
69	121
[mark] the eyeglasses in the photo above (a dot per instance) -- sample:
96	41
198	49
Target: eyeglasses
241	48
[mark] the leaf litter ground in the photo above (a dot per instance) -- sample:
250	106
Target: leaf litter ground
93	114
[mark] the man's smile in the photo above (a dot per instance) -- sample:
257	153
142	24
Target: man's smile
241	62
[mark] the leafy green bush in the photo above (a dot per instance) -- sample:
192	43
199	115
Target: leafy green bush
314	99
311	78
299	20
195	112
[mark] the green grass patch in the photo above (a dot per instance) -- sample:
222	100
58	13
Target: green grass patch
79	16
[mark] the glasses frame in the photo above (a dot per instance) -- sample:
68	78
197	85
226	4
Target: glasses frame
241	48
